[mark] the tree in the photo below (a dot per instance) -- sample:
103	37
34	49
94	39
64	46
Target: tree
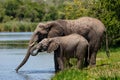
75	9
11	7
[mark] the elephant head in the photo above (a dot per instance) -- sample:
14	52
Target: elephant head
47	44
50	29
43	30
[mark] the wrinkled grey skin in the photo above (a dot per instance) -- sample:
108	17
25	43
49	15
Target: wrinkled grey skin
92	29
71	46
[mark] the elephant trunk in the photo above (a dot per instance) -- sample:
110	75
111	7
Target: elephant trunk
24	60
31	43
34	54
34	51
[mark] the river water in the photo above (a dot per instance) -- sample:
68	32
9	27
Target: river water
12	52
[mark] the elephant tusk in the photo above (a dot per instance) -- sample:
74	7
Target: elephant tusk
33	44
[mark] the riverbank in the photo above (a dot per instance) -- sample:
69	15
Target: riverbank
17	26
106	69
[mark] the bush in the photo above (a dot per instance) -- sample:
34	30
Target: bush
108	14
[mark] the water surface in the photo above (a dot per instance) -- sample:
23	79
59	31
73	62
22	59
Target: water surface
40	67
12	36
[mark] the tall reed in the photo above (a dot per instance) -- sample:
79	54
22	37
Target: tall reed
16	26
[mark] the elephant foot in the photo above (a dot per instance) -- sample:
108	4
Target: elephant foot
56	71
86	64
92	65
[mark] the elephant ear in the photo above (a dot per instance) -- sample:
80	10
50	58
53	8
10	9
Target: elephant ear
51	24
54	29
52	46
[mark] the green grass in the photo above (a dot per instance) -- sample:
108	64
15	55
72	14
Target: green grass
16	26
14	44
106	69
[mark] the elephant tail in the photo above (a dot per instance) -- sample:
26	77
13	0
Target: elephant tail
107	49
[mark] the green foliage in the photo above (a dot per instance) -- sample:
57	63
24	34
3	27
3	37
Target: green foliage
25	10
14	44
73	61
17	26
71	74
51	14
107	12
2	12
75	9
106	69
11	7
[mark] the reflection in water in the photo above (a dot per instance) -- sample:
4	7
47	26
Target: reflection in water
13	44
13	47
14	39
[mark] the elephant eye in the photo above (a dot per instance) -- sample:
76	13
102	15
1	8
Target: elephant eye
41	27
38	33
47	29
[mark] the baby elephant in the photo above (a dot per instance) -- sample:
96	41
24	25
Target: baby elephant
71	46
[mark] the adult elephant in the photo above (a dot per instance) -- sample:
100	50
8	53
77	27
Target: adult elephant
92	29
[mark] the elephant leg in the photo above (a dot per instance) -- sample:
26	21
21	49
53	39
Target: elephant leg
66	62
56	55
80	64
86	62
93	58
94	51
80	53
60	62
